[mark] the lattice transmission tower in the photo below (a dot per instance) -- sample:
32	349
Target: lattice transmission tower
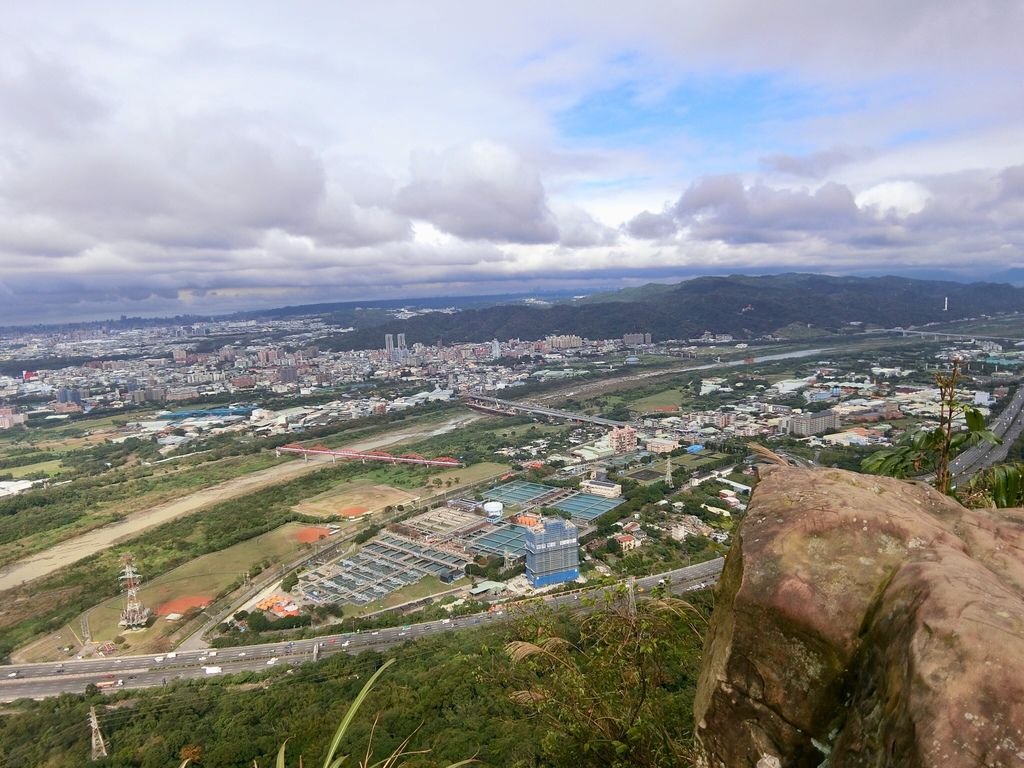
135	615
99	744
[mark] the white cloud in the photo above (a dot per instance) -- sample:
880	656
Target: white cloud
248	153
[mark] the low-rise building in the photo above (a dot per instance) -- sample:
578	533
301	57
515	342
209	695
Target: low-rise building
605	488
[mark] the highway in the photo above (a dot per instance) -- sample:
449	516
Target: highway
39	681
514	407
1008	426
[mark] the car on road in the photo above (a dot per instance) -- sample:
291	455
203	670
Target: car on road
241	654
13	674
272	661
346	644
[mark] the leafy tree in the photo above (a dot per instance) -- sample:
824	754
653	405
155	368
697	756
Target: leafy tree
607	687
924	449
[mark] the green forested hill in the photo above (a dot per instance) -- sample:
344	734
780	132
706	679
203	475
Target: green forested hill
740	305
451	691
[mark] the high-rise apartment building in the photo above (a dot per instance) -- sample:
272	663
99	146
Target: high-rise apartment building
807	424
389	345
622	439
552	552
634	339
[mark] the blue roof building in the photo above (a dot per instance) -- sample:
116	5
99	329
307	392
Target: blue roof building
552	553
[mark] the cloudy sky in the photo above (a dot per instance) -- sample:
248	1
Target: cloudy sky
158	158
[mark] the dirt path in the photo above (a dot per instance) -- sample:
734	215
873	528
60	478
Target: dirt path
74	549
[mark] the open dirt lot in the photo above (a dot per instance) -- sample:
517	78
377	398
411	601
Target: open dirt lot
354	500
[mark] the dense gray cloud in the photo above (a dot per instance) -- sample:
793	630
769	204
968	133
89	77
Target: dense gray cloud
652	226
46	99
722	208
977	213
578	229
483	191
815	165
175	159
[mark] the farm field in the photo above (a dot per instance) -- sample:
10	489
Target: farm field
692	461
668	399
391	485
470	474
354	499
53	467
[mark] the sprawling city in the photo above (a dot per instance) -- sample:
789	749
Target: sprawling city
516	455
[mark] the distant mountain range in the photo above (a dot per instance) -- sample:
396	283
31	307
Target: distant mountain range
740	305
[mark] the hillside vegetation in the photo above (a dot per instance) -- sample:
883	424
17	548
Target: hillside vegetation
741	305
456	693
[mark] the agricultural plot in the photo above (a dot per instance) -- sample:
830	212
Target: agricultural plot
666	401
193	585
53	467
693	461
469	475
352	500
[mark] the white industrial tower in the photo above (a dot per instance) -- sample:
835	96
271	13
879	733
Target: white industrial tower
135	614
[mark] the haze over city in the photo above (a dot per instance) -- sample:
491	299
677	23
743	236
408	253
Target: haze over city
159	159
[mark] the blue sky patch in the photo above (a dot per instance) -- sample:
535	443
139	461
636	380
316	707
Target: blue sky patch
720	109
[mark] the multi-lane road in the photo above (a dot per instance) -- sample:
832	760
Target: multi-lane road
1008	426
40	681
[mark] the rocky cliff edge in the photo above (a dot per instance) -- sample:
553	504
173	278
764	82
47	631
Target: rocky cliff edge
863	621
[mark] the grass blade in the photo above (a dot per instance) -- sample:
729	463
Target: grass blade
347	720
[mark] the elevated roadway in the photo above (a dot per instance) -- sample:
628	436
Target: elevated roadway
39	681
512	406
949	336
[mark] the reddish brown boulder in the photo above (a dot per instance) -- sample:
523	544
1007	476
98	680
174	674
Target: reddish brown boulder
870	621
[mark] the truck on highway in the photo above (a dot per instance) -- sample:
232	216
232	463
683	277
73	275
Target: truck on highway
213	670
104	685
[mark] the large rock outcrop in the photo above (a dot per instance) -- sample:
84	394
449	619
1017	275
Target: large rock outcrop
863	621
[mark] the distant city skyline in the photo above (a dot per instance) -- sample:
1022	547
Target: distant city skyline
203	160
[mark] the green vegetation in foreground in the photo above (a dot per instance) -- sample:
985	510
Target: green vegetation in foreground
458	692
